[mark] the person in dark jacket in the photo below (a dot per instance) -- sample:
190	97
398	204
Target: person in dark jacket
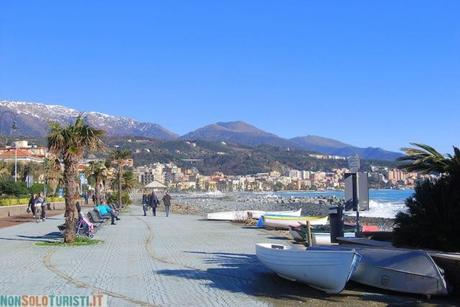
145	203
31	205
153	202
167	203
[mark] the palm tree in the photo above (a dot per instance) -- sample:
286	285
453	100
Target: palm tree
4	170
98	171
52	173
431	220
426	159
119	156
70	144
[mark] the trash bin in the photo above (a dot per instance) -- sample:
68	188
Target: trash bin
336	221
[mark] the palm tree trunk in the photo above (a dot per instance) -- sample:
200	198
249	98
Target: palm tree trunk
97	190
71	197
119	185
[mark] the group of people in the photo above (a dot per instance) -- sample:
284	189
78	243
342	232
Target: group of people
37	206
150	200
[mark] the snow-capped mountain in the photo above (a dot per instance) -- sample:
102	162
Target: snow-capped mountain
32	119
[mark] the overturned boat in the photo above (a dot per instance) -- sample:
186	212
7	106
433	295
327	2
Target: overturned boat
410	271
395	269
325	270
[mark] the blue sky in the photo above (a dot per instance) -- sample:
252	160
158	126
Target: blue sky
370	73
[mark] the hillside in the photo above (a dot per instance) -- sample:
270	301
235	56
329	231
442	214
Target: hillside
32	119
229	158
237	132
334	147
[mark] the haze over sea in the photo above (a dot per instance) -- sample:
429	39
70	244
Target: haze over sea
382	202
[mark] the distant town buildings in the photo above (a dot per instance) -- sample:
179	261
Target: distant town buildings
189	179
183	179
23	152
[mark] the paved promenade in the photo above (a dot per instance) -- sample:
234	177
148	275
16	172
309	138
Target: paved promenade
148	261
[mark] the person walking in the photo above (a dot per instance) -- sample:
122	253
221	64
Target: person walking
145	203
167	203
86	196
31	206
154	203
38	201
41	200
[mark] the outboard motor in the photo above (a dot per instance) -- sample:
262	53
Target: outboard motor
336	221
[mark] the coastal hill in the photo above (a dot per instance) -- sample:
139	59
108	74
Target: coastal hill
32	120
334	147
245	134
236	132
230	158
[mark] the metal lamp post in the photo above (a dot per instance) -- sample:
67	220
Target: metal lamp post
14	128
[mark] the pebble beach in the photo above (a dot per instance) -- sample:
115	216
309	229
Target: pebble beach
203	203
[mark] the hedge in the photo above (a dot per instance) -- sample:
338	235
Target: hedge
25	201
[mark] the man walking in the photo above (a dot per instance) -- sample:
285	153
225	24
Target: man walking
167	203
145	203
154	203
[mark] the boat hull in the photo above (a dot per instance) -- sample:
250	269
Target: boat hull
324	270
286	222
248	214
400	270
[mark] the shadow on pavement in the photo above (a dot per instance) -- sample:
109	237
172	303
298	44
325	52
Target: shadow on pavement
245	274
52	236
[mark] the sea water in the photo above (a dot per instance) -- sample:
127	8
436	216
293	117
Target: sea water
382	202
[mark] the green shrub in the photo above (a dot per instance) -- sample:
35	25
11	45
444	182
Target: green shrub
113	198
9	187
433	216
37	188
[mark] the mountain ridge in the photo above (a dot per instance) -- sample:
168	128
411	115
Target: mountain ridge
33	118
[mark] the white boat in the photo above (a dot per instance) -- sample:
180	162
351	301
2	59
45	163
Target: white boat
257	214
328	271
410	271
324	238
396	269
248	214
284	222
319	236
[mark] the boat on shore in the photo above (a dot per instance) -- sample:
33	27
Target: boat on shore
249	214
319	236
328	271
409	271
284	222
396	269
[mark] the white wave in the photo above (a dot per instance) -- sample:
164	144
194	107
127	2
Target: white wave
382	209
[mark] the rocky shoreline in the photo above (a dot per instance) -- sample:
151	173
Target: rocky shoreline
203	203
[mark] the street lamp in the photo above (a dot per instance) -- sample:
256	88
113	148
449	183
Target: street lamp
14	128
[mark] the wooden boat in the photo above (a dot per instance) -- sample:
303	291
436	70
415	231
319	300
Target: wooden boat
257	214
248	214
283	222
410	271
396	269
328	271
320	233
